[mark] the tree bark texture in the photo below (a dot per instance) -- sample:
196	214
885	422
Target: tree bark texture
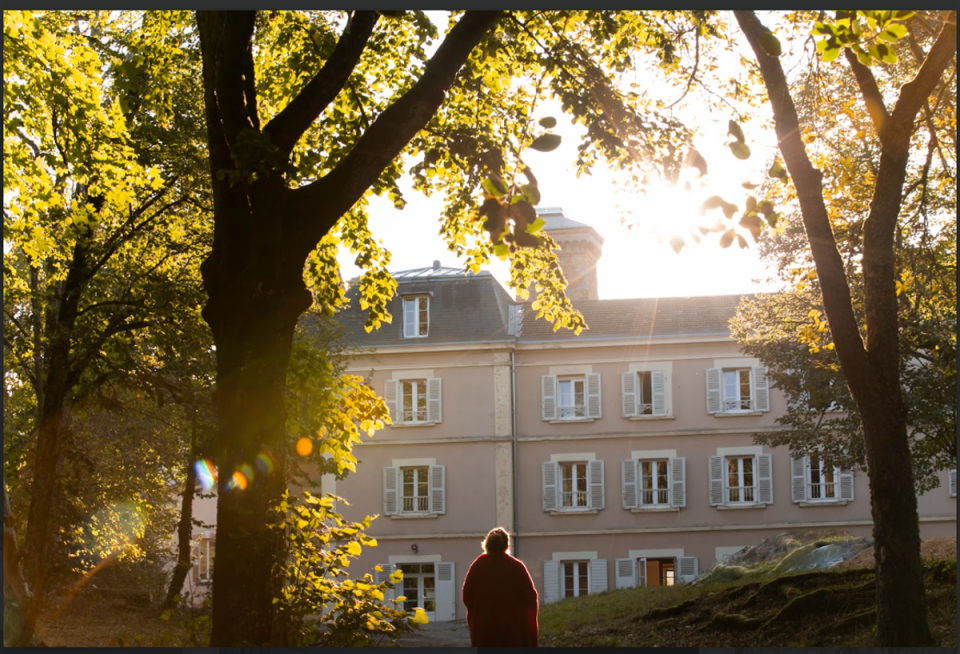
871	366
185	527
263	232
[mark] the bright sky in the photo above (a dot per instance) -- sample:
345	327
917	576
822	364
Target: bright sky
637	261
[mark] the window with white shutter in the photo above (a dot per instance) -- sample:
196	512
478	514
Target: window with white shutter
598	576
414	401
628	389
814	482
570	397
548	395
593	396
952	476
741	480
550	486
391	490
551	581
433	400
414	490
644	394
687	569
595	482
737	390
628	476
678	482
446	606
438	499
572	486
625	573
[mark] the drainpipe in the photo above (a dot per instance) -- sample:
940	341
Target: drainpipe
513	414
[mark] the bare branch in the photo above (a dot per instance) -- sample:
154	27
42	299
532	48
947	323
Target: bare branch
288	126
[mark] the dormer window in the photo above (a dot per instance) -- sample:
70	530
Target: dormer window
416	316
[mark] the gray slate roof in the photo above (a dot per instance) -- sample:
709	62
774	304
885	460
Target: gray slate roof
643	317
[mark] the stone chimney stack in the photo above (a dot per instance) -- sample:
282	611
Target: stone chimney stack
580	249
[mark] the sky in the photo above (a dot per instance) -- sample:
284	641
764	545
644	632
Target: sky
637	260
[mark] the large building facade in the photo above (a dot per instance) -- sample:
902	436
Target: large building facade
620	457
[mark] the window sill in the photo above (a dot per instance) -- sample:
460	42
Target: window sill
656	509
804	505
405	425
737	507
414	516
575	512
564	421
642	418
738	414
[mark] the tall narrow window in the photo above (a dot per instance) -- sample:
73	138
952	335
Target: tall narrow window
823	480
574	577
572	394
740	481
644	394
203	572
419	586
736	390
416	316
573	480
654	483
416	497
413	400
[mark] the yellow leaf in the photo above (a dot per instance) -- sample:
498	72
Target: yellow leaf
420	616
354	549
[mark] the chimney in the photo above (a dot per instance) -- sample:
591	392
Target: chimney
580	249
436	264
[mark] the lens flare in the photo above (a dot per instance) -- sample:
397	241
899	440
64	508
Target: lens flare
206	473
265	463
246	471
237	481
304	446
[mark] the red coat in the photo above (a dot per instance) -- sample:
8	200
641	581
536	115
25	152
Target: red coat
501	602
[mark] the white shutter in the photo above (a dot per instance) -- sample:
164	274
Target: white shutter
765	478
391	490
598	576
642	572
390	398
953	482
551	581
687	568
716	480
761	390
713	390
409	318
798	474
549	397
846	485
593	395
628	473
625	573
446	606
629	394
677	467
380	577
550	486
595	484
659	383
433	400
438	491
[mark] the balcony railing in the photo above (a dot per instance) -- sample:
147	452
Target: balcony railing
415	504
741	494
574	498
654	497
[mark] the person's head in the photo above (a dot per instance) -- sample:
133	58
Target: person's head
496	541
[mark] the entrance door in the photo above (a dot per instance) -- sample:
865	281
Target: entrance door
420	587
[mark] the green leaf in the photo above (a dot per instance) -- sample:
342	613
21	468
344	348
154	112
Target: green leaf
770	44
530	193
546	143
893	32
831	53
549	122
734	130
494	186
772	219
536	226
777	170
502	251
740	150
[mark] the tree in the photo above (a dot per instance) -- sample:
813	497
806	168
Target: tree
286	185
869	358
98	243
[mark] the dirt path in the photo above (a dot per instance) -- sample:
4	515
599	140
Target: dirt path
439	634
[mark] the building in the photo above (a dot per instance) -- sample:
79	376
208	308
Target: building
618	458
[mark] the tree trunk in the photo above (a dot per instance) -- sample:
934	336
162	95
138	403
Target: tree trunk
16	595
185	528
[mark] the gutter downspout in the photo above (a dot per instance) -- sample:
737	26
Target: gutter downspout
513	414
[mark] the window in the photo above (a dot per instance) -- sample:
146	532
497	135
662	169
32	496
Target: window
952	476
816	482
413	402
741	480
416	316
414	490
655	570
414	495
573	486
203	559
571	397
645	393
572	400
737	390
573	480
419	586
574	579
654	483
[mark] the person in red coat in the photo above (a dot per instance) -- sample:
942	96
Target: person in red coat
500	597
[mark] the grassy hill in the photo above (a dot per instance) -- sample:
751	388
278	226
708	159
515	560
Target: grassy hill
812	609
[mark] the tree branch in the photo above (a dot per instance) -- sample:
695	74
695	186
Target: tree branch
809	184
288	126
869	90
230	33
393	129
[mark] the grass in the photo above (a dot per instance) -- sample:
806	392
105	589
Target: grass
818	609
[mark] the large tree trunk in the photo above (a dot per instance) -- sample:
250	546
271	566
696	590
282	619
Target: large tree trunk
871	367
16	595
185	528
